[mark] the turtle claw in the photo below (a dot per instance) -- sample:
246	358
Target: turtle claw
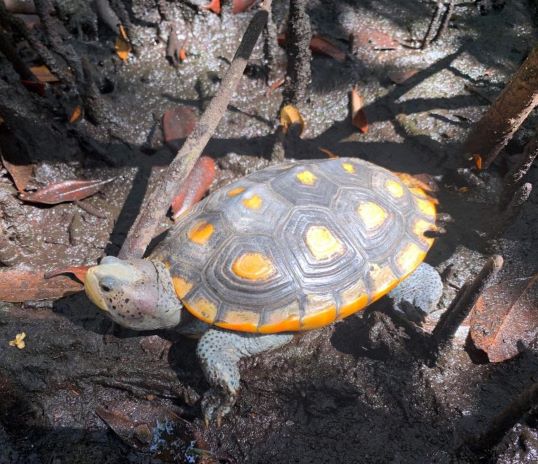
216	404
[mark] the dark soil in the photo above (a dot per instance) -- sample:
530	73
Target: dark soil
363	390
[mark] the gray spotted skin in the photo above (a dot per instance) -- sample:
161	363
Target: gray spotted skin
418	295
219	353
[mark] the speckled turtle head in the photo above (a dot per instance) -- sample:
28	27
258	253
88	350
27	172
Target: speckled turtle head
137	294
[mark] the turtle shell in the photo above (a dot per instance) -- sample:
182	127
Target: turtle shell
297	246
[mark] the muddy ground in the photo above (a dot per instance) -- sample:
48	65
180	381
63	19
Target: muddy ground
363	390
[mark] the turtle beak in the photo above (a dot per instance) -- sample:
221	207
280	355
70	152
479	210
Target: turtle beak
93	290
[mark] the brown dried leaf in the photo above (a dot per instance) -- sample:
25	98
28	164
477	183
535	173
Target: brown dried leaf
399	77
76	114
43	74
20	174
328	152
478	161
238	6
34	86
79	272
17	286
290	116
275	85
358	117
123	45
505	318
319	44
178	123
373	38
214	6
69	190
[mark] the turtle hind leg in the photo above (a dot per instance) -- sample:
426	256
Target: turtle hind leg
418	295
219	353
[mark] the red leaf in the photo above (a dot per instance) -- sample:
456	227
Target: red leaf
20	174
195	186
238	6
505	316
372	38
17	286
214	6
358	117
178	123
69	190
78	271
319	44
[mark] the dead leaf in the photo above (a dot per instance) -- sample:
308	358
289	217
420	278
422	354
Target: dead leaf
373	38
178	123
17	286
20	174
20	6
399	77
76	114
69	190
18	341
238	6
79	272
478	161
123	45
34	86
463	189
358	117
214	6
43	74
319	44
505	318
290	116
329	153
30	20
182	54
195	186
275	85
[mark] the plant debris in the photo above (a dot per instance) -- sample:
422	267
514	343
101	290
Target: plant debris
18	341
195	186
178	123
20	285
358	117
505	318
20	173
79	272
291	117
69	190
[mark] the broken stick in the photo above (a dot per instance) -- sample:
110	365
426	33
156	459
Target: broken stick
160	198
463	303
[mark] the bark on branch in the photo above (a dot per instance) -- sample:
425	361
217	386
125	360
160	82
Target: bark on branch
160	198
501	121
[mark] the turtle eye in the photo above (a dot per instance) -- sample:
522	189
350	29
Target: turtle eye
107	284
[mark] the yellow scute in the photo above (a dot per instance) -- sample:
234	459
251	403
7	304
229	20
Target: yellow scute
307	178
371	214
253	266
322	243
201	232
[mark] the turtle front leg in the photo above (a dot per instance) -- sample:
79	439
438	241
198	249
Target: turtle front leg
219	353
418	295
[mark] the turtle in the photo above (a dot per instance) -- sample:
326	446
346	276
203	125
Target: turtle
289	248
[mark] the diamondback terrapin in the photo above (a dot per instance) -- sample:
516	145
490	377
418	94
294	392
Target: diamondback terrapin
289	248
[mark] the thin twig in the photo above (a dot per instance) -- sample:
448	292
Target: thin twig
513	180
520	196
505	420
435	19
463	303
447	16
160	198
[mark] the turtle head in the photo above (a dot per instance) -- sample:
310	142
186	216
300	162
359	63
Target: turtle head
136	293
